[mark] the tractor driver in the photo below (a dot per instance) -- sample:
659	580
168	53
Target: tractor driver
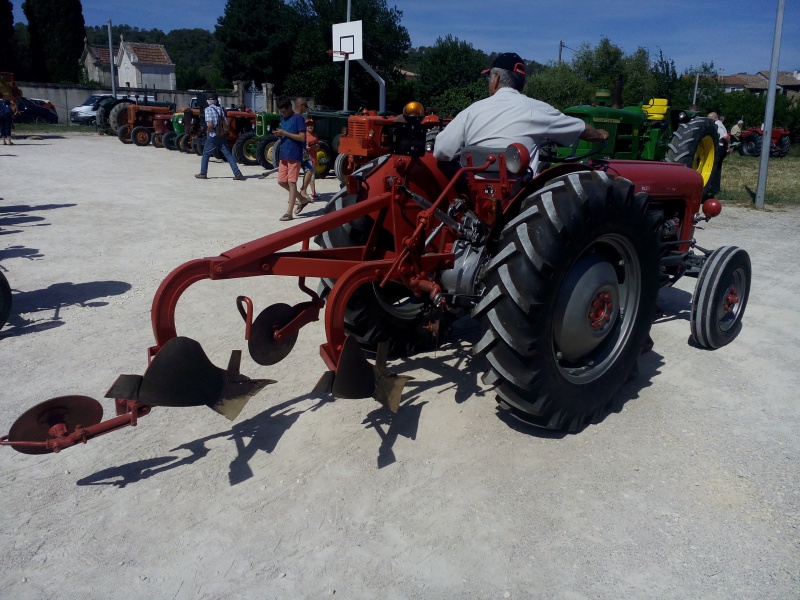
508	116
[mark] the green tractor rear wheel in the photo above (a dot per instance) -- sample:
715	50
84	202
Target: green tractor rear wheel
264	151
696	144
324	160
245	150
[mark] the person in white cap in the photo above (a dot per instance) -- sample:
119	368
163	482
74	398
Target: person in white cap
508	116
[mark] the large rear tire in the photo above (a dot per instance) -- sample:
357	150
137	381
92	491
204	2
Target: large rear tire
782	148
696	144
571	295
720	297
245	150
5	300
141	136
751	145
118	116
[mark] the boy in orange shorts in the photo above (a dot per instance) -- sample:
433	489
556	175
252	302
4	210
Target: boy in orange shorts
293	139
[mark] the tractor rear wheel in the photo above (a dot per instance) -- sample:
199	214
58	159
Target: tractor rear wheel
124	134
180	142
158	140
751	145
720	297
696	144
264	151
340	168
377	314
118	116
571	294
245	149
169	140
5	300
324	157
782	148
141	136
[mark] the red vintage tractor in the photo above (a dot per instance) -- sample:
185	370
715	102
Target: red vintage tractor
752	140
561	270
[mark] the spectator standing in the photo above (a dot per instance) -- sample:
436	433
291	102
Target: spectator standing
310	165
6	118
213	116
715	183
292	136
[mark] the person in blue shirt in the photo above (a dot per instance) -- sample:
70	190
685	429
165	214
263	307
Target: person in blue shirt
292	134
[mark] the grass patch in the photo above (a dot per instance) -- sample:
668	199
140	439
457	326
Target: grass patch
41	129
740	179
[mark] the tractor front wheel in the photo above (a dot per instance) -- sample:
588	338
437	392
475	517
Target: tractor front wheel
158	140
696	144
169	140
720	297
140	136
265	152
341	168
180	142
124	134
571	294
245	149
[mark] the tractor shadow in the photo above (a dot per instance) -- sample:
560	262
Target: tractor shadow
260	433
674	305
52	300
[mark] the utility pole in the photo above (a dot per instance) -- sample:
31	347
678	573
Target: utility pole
560	48
347	68
111	56
761	188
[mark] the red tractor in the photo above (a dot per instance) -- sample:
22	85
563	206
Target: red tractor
752	140
560	269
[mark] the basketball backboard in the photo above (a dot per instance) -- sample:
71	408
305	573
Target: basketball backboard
347	41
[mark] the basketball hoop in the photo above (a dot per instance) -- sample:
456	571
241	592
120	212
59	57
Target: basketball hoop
339	53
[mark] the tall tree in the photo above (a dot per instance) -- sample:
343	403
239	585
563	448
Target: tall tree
7	49
666	76
256	41
560	86
56	31
385	43
639	81
599	66
449	63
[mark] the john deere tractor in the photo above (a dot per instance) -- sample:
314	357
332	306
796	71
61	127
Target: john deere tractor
650	131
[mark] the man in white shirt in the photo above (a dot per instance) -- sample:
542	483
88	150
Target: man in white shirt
715	183
508	116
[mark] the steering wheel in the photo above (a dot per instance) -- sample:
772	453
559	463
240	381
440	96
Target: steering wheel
552	158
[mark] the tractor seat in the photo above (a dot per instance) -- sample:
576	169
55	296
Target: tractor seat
479	155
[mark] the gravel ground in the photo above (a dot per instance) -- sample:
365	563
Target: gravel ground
688	489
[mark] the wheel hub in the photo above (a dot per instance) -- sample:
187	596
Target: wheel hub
731	299
588	307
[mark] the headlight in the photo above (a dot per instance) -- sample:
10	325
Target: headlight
517	159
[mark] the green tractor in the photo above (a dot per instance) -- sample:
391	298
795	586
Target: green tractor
255	147
650	131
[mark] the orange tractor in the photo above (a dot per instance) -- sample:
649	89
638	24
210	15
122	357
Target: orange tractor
560	270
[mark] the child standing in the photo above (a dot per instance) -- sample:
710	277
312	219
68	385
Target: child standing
292	134
309	166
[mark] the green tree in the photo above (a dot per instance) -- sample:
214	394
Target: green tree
639	81
8	56
385	44
560	86
665	76
256	40
599	66
56	31
449	64
709	89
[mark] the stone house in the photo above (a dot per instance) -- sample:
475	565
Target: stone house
144	66
96	61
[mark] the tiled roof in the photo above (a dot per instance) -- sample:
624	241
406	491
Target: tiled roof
751	82
101	53
784	78
148	53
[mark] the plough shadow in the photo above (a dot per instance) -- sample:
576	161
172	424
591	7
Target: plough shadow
263	431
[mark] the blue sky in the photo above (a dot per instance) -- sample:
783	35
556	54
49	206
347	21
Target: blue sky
735	34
